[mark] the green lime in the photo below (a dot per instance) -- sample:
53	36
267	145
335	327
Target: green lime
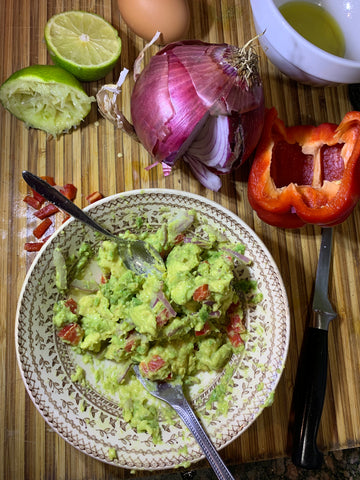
46	97
83	43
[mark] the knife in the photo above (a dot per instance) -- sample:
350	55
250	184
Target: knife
310	384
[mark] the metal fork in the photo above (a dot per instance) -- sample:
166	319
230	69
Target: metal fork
174	396
138	256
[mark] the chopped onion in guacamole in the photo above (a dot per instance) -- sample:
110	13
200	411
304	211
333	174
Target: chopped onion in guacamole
174	324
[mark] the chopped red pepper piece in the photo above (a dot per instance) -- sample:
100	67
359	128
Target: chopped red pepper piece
45	239
42	227
71	333
69	190
33	246
94	197
49	180
201	293
306	174
38	197
46	211
66	217
33	202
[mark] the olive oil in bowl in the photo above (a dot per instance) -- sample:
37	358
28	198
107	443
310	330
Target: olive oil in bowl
316	25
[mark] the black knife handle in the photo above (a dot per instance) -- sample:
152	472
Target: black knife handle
308	401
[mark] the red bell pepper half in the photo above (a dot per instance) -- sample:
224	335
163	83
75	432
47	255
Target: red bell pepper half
306	174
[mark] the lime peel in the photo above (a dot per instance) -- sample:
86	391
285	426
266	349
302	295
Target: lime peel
46	97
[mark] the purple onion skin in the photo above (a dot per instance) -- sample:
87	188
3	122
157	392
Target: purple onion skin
180	86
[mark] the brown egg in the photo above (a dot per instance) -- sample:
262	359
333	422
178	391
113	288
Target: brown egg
146	17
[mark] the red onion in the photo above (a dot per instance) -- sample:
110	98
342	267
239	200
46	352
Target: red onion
238	255
198	101
160	297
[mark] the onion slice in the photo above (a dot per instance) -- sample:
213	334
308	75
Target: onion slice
160	297
238	255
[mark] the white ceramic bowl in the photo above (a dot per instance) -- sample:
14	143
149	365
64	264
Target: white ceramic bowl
46	363
298	58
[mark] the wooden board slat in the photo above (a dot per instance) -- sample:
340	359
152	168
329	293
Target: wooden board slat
97	156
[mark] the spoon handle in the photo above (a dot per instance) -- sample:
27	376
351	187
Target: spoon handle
187	415
57	198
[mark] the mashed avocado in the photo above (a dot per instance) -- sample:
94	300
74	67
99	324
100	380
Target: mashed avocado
174	324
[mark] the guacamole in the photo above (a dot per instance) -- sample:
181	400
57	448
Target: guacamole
176	323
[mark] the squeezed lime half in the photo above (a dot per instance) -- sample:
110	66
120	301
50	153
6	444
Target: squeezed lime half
46	97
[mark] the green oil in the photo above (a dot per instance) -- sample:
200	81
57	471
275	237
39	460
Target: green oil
316	25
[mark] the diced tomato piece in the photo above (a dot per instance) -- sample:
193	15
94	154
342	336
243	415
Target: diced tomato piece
69	190
42	227
236	323
33	246
156	363
46	211
236	339
132	341
32	202
203	331
201	293
153	365
163	317
49	180
235	328
233	308
94	197
71	333
129	345
71	305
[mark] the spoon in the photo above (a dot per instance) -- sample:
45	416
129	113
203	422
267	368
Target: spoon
137	256
173	396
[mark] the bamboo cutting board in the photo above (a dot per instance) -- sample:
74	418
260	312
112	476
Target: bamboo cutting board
98	157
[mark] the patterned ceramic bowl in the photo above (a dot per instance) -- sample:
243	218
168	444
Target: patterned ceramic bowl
47	364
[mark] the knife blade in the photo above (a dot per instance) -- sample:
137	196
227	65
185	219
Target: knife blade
310	383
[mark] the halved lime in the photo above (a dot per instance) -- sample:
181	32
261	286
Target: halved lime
83	43
46	97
